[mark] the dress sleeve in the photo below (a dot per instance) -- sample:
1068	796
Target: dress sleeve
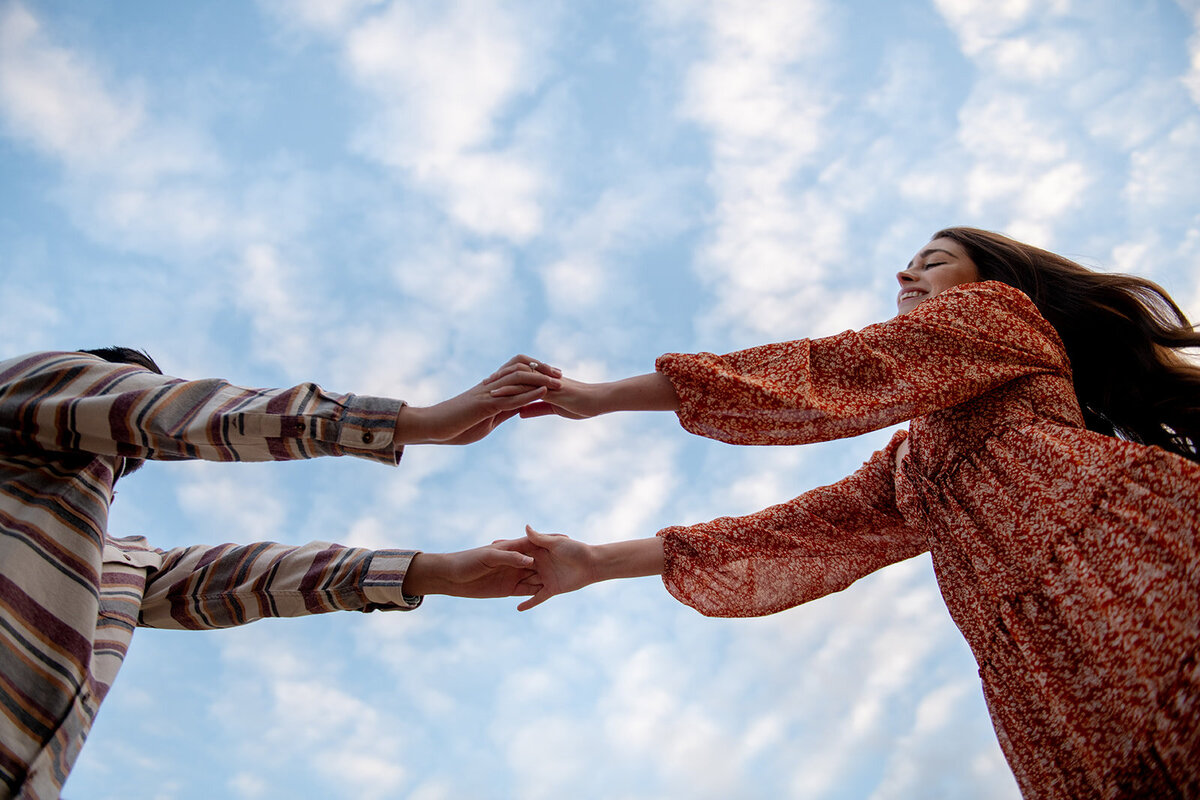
816	544
71	402
203	587
949	349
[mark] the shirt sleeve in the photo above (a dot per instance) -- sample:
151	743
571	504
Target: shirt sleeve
70	402
953	347
203	587
788	554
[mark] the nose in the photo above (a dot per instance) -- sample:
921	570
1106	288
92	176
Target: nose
905	276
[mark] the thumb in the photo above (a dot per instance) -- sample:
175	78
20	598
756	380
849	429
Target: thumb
536	410
543	540
542	596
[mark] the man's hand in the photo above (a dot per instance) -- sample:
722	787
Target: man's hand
497	570
476	412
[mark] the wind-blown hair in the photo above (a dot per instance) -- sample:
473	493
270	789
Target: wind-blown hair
1123	335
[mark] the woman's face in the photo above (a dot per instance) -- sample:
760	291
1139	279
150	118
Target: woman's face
941	264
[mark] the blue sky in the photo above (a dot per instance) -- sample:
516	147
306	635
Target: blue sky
395	197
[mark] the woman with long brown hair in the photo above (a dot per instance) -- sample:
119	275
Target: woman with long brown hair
1051	467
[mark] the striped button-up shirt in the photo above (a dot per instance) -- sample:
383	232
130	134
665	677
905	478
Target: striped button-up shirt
71	595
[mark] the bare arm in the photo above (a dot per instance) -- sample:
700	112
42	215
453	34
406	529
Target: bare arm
578	400
564	564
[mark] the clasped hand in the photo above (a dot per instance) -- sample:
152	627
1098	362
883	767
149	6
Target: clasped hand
475	413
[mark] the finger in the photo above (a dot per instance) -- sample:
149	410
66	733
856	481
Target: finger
503	416
546	369
523	361
498	391
518	400
509	558
536	410
517	545
540	597
526	377
542	540
514	364
519	358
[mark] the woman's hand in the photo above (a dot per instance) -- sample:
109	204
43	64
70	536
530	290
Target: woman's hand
564	565
578	400
573	400
478	411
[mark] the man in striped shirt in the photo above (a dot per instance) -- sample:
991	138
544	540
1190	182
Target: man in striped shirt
72	423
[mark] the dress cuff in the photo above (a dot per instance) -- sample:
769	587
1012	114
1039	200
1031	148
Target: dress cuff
383	585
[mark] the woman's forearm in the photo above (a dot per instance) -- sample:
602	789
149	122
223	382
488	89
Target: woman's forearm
650	392
634	558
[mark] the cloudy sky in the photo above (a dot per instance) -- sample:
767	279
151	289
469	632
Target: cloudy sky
394	196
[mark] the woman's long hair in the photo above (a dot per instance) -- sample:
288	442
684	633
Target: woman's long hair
1123	335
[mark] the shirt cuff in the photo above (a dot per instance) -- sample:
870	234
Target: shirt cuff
368	428
383	585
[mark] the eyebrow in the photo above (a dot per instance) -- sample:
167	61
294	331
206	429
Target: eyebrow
931	251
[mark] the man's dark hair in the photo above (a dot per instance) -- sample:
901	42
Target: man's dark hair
126	355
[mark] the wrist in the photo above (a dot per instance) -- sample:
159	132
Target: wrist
424	575
633	558
412	426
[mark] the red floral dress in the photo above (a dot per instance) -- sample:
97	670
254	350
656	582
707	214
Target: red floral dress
1068	559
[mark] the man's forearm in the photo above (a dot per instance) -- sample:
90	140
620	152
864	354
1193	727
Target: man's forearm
424	575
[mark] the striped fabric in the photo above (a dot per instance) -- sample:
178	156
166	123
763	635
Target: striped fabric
71	596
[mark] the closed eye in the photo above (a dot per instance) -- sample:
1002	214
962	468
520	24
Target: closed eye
934	264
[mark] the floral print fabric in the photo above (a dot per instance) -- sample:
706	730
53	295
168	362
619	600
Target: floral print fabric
1068	559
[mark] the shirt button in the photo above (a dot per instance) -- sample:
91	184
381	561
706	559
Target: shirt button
300	426
368	437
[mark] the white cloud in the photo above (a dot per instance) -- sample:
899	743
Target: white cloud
242	507
131	180
271	291
439	82
1009	128
300	708
1191	79
1036	59
615	490
981	25
57	101
1161	173
329	16
768	261
27	322
592	281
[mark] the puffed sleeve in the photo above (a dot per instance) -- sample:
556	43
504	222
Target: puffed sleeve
949	349
71	402
777	558
201	586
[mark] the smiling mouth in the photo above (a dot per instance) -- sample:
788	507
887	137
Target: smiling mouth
908	295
